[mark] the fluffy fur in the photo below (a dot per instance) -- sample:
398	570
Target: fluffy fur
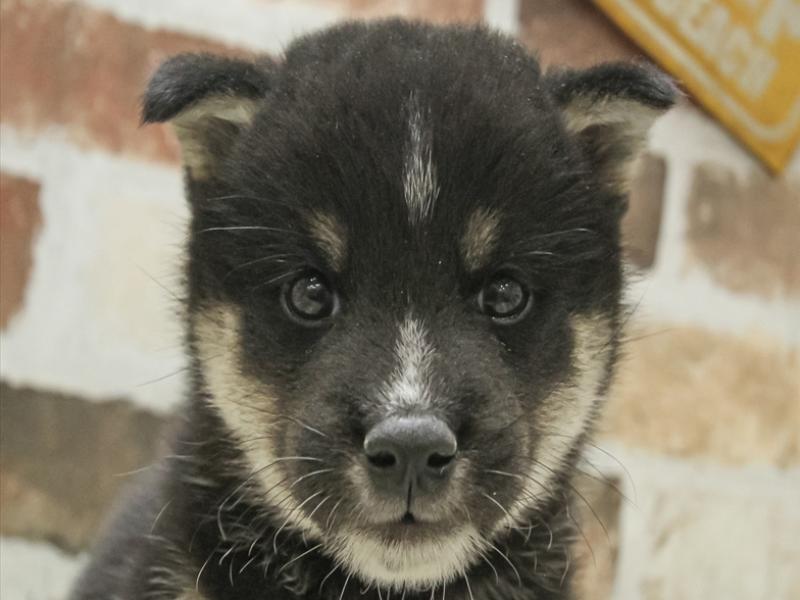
407	165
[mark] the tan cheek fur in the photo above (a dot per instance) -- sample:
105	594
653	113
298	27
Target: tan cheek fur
244	404
567	411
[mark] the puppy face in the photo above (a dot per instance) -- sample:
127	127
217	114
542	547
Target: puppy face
404	279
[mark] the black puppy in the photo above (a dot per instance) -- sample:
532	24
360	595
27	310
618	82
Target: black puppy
403	312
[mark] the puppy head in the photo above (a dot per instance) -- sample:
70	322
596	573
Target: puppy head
405	278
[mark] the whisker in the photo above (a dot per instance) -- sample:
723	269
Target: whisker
283	525
254	199
585	501
280	257
226	554
159	284
329	521
469	589
200	572
255	473
275	415
496	472
308	475
491	566
298	557
317	507
278	278
134	471
324	579
159	515
508	560
247	228
583	535
172	374
566	569
247	564
498	505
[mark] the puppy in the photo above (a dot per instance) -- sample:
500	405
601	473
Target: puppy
403	311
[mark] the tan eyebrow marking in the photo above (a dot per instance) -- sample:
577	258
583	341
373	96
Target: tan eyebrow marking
331	237
480	236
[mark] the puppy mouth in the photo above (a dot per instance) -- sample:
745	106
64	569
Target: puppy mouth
409	528
408	518
412	513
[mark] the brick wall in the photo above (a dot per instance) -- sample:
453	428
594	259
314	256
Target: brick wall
702	435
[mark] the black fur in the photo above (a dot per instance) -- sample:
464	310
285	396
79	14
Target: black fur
187	78
615	80
330	137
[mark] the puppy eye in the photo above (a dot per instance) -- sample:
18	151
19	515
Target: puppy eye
504	299
309	299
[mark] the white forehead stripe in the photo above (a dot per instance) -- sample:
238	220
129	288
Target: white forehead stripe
409	385
420	187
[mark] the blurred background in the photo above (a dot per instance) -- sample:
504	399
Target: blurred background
701	440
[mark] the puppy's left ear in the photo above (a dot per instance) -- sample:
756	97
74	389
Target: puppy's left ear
610	109
209	100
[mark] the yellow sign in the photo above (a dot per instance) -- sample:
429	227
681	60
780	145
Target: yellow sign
740	58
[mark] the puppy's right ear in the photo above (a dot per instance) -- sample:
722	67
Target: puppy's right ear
209	100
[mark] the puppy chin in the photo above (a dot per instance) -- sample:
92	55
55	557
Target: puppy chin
418	565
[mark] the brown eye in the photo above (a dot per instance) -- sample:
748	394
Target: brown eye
504	299
309	299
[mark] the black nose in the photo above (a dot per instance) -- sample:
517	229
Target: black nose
410	453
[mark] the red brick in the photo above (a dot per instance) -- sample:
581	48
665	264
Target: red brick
642	222
20	219
65	460
437	11
693	393
743	230
68	65
573	33
447	11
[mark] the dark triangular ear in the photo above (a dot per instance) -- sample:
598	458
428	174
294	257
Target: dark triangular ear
208	99
610	108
